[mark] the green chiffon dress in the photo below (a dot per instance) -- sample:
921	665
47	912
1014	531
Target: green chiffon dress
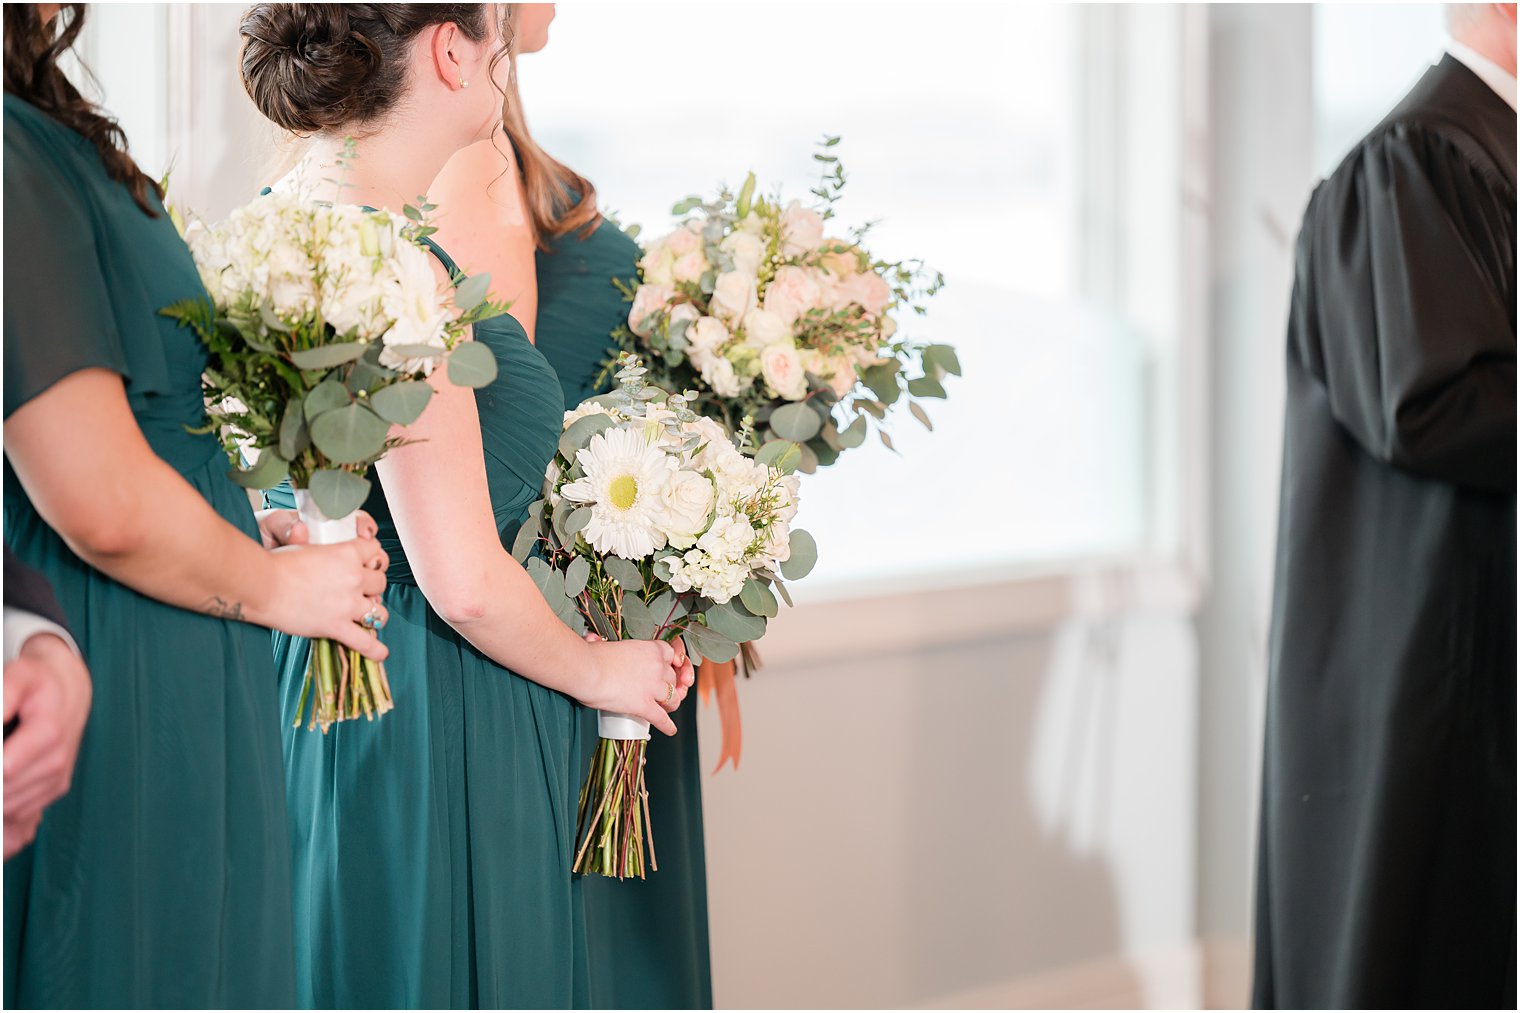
432	847
162	879
648	939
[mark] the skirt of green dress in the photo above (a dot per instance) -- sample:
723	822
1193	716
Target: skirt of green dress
432	846
162	879
648	938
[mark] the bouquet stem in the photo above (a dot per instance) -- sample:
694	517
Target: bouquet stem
612	827
341	683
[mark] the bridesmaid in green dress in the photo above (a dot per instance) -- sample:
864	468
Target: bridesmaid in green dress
432	848
648	939
160	879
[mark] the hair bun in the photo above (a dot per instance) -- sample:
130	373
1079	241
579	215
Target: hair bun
306	65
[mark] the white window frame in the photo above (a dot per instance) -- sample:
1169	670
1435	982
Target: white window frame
1122	210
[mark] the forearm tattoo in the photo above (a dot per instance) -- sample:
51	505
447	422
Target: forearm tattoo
218	606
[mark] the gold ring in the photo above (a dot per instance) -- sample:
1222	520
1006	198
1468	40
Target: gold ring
670	691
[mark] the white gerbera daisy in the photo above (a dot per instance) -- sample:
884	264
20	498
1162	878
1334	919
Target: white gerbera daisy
624	485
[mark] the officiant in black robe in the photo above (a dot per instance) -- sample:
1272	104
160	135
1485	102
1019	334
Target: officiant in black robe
1386	866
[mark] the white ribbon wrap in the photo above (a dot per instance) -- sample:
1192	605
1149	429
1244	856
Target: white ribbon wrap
621	726
322	529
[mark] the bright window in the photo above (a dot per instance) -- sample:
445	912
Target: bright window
971	130
1030	152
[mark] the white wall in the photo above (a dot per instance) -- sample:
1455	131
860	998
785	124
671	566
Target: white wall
942	823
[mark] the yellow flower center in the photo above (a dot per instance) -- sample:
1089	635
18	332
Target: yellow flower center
624	491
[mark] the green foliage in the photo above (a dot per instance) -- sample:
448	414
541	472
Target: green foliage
803	558
472	364
338	493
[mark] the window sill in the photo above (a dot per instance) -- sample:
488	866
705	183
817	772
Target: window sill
954	608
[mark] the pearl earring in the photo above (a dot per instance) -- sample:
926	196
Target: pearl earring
463	83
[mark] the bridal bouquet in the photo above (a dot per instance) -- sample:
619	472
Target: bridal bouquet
655	525
324	322
754	304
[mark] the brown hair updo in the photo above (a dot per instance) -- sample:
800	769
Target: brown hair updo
313	68
32	73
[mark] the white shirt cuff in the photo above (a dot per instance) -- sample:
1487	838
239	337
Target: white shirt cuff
21	626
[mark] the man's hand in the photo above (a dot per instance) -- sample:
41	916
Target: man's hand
47	691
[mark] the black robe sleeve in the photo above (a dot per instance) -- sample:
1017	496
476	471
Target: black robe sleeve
1407	257
28	590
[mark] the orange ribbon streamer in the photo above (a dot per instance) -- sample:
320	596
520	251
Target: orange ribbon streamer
715	679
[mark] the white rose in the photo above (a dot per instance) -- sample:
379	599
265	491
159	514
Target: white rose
721	377
778	543
733	296
789	488
747	251
689	267
686	239
686	502
703	339
683	311
801	230
793	292
648	301
763	328
657	264
782	368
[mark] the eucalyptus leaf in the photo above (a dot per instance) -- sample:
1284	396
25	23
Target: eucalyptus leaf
328	356
472	364
557	519
710	644
401	403
808	463
824	454
294	437
668	608
759	599
527	537
922	416
580	433
366	375
886	441
472	291
803	558
576	523
638	621
782	455
926	386
784	593
349	434
339	493
576	575
854	434
417	351
796	422
733	624
269	471
325	396
883	381
271	321
625	573
944	357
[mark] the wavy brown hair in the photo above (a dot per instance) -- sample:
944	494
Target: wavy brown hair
32	50
559	199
